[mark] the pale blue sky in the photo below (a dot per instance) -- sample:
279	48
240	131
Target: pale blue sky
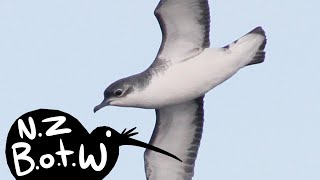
262	124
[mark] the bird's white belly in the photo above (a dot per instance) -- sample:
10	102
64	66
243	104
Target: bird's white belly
188	80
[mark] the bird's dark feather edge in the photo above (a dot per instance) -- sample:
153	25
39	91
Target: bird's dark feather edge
198	121
205	21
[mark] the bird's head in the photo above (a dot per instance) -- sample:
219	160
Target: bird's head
119	93
111	137
108	135
105	134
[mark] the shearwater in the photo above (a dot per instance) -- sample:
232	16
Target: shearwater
184	70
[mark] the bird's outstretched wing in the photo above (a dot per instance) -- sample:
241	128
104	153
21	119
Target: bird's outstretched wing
185	26
178	130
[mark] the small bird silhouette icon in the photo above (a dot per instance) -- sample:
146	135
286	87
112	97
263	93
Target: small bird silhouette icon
111	140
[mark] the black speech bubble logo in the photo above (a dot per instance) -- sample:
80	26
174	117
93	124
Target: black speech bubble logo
51	144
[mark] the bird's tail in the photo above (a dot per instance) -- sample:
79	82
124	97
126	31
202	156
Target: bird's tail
252	44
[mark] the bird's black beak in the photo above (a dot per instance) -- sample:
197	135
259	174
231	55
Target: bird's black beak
133	142
104	103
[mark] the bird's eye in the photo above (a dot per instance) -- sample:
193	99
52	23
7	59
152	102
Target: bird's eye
118	92
108	133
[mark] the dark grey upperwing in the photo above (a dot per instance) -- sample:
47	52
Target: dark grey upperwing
185	26
178	130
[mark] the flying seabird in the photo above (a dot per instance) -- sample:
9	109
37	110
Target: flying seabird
184	70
